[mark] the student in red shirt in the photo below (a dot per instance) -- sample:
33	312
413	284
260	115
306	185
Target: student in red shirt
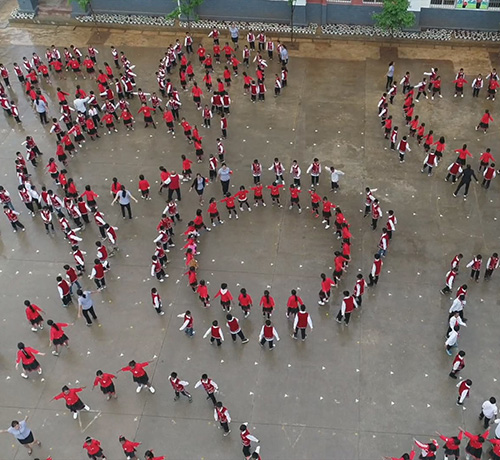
315	200
257	194
93	448
129	447
190	71
227	76
203	295
226	297
242	195
139	375
326	285
168	116
485	159
230	206
293	304
57	335
327	212
198	221
186	168
440	147
26	356
214	212
89	65
197	93
187	130
91	128
148	115
91	196
492	88
275	193
216	50
228	51
144	187
149	455
33	316
294	197
245	302
463	153
267	303
485	121
105	382
459	86
73	401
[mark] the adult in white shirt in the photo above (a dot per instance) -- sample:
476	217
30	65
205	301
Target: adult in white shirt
489	411
80	104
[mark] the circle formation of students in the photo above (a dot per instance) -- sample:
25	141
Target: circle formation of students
102	109
434	147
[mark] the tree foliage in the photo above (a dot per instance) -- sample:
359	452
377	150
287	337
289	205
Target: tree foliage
394	15
187	9
83	4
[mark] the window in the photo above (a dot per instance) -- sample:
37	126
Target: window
494	4
443	3
372	1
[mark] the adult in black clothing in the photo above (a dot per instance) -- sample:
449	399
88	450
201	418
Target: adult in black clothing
466	178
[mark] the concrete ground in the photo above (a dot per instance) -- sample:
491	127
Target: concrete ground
354	393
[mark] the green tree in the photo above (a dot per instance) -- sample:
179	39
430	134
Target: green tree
394	15
186	9
83	4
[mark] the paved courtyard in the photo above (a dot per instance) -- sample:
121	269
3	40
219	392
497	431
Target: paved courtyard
354	393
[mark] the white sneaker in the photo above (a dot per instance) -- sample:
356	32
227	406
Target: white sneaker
249	209
213	224
264	204
323	221
327	227
221	222
230	216
34	329
290	207
75	415
152	390
139	388
40	371
23	375
236	216
87	408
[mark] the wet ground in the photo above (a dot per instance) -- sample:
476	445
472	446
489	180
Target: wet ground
346	393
